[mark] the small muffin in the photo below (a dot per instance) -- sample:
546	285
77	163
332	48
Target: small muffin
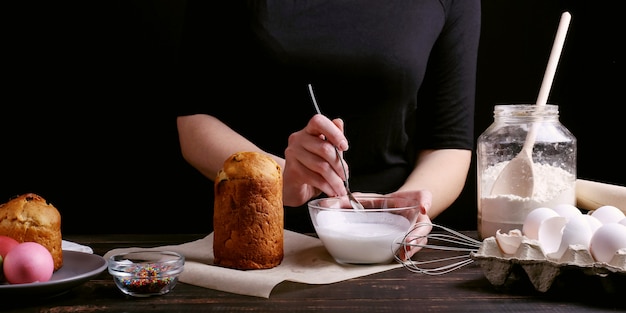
29	217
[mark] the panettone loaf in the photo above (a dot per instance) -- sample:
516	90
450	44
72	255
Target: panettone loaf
248	213
29	217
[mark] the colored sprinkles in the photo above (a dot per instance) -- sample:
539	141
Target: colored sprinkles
146	279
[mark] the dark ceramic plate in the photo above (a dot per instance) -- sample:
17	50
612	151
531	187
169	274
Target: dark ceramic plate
78	268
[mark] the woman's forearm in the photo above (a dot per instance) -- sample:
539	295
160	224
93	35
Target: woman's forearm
442	172
206	142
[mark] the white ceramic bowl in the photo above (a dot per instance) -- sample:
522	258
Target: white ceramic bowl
369	236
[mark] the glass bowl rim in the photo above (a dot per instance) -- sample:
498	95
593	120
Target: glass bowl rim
313	204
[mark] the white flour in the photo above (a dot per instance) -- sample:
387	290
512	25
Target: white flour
553	186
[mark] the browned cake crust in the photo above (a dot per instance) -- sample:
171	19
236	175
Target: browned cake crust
248	213
29	217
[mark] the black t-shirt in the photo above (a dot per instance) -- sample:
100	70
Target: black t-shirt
401	74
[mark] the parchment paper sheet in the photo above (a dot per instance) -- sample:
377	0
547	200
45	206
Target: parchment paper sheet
305	261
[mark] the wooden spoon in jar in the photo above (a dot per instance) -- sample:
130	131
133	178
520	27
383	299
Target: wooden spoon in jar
517	177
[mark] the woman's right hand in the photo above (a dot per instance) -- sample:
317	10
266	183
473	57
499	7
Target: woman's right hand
312	165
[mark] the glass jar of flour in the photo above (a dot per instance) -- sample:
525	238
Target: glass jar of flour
549	178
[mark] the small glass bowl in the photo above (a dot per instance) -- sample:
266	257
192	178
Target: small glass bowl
146	273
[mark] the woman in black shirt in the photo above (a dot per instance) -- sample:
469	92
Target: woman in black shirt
394	79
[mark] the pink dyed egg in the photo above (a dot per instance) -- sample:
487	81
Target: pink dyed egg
28	262
6	244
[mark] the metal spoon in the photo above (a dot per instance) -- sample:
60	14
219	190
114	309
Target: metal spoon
353	201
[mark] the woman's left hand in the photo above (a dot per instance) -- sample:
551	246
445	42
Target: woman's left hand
418	235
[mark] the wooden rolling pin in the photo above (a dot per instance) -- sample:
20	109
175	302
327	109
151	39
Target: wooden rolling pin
591	195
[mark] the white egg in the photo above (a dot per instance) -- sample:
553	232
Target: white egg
575	232
530	228
593	222
550	233
608	214
606	241
567	210
623	221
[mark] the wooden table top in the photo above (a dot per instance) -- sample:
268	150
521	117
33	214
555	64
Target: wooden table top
397	290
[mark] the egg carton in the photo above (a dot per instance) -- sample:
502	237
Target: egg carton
499	267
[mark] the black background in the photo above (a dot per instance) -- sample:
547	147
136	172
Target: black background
86	122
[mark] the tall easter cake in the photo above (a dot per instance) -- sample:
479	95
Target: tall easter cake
248	213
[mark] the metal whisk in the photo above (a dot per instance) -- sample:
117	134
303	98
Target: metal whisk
438	238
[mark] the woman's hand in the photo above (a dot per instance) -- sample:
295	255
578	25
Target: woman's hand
418	235
312	165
